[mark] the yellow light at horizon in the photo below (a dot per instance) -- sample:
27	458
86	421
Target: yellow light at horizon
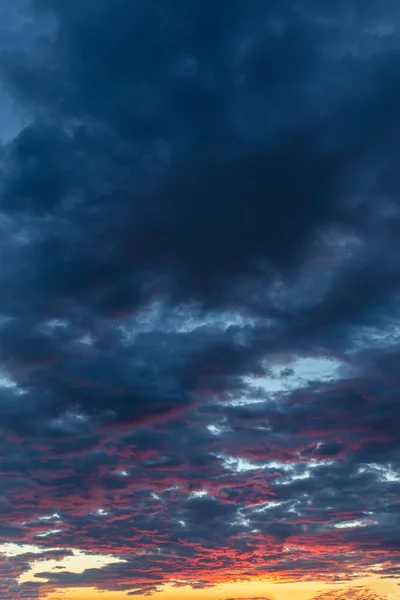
275	591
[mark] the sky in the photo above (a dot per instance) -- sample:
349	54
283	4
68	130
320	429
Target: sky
199	299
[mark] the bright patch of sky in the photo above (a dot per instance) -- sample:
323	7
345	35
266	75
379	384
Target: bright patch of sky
218	429
101	512
266	506
69	420
9	384
55	324
385	472
49	517
10	549
241	465
49	532
297	374
241	520
198	494
353	524
6	382
293	471
182	319
78	562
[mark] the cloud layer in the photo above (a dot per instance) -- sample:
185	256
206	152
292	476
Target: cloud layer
199	323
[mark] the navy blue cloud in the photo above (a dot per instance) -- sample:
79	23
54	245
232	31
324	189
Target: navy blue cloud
199	326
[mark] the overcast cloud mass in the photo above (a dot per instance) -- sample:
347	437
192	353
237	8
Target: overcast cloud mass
199	292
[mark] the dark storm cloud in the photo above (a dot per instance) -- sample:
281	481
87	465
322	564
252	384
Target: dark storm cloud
200	213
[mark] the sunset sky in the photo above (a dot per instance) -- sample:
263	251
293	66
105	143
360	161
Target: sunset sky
199	299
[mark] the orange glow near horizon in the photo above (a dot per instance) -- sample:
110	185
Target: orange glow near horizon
385	588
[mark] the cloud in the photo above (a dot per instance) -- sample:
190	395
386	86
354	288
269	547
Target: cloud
199	324
349	594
